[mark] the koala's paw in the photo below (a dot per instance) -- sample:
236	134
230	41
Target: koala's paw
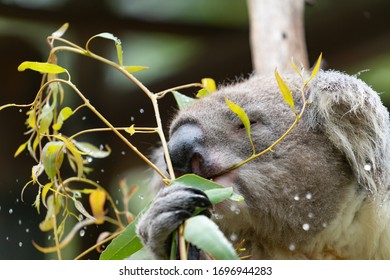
169	209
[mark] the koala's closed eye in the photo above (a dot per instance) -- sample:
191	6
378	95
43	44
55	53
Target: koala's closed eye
242	126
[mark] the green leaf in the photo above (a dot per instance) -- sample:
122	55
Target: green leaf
205	234
52	157
315	70
219	194
91	150
42	67
182	100
125	244
135	68
244	119
195	181
64	114
286	93
202	93
45	118
61	31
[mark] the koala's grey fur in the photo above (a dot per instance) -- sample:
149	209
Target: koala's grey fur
322	193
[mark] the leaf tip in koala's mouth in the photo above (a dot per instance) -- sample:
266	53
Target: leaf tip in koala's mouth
225	179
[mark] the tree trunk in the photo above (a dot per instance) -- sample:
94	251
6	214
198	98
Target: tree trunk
277	34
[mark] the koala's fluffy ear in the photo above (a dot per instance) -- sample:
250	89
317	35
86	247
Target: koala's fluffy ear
356	122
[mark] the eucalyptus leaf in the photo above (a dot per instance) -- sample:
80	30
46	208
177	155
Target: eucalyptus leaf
52	157
195	181
64	114
91	150
182	100
125	244
42	67
244	119
205	234
135	68
286	93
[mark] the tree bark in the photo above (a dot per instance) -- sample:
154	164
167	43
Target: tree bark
277	34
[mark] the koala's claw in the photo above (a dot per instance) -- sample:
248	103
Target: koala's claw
171	207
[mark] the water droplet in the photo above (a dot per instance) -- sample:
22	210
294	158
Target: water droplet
7	238
82	233
0	207
10	210
311	215
324	225
306	227
296	197
27	230
20	110
102	170
141	197
89	159
309	195
123	153
49	237
20	222
367	167
292	247
218	216
83	118
20	244
117	202
97	181
141	111
17	180
233	237
132	118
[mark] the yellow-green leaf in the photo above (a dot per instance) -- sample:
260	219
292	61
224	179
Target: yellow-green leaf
42	67
45	190
97	199
20	149
244	119
202	93
209	85
45	119
64	114
135	68
286	93
315	69
61	31
131	130
52	157
295	67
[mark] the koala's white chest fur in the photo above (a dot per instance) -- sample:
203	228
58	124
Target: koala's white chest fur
361	230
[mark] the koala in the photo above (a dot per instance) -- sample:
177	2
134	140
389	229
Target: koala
321	193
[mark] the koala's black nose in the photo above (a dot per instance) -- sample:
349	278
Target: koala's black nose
186	149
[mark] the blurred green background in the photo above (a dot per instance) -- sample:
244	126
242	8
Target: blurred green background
181	42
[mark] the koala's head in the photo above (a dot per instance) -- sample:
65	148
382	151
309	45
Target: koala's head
294	191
